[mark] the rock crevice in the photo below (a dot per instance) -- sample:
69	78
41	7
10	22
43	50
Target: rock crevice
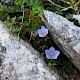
21	61
65	34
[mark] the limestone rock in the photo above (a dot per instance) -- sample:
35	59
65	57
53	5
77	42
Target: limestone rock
65	34
21	61
6	1
77	17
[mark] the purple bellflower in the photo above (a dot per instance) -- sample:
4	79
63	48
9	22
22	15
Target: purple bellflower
52	53
42	32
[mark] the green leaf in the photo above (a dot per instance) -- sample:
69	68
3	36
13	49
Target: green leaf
1	8
37	9
29	2
19	2
72	1
3	15
13	20
33	2
16	2
26	23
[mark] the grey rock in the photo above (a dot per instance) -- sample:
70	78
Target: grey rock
6	1
77	17
65	34
2	56
2	48
21	61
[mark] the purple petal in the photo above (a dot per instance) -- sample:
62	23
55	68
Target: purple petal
51	50
40	33
52	53
47	54
46	31
46	51
43	28
56	54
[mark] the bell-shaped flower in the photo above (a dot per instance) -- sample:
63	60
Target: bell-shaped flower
42	32
52	53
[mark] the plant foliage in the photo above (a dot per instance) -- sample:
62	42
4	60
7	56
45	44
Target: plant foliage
23	17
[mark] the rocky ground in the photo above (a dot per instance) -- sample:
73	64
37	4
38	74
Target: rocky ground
21	61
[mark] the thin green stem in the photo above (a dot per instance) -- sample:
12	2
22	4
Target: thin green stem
55	4
22	22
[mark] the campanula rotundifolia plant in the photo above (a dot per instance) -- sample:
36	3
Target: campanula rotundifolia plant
23	18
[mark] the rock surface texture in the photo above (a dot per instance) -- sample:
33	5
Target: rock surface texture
5	1
65	34
77	17
21	61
